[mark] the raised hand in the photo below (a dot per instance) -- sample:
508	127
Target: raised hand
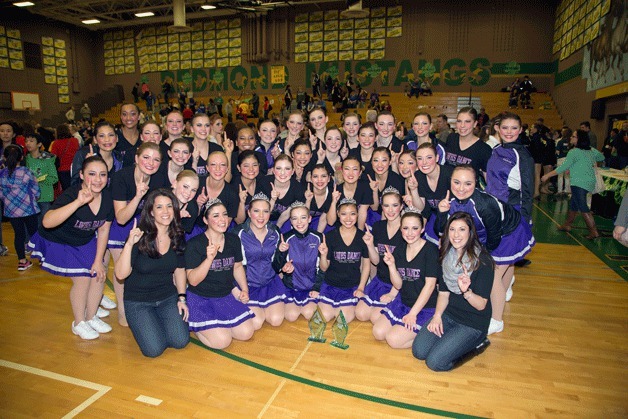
412	183
288	268
374	184
335	195
228	145
196	154
407	200
298	171
388	257
283	246
202	197
368	235
308	192
275	151
464	280
91	152
242	194
274	194
135	234
141	188
85	195
320	153
322	248
444	205
212	250
183	213
394	157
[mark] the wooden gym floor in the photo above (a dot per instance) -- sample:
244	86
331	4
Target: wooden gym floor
562	354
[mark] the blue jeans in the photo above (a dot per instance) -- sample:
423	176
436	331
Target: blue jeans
441	353
157	325
578	201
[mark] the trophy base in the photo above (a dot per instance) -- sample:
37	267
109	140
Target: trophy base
320	340
339	345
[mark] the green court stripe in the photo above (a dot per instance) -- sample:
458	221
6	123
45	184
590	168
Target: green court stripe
334	389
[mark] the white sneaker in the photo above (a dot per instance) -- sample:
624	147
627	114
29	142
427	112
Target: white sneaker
99	325
102	312
495	326
84	330
509	290
107	303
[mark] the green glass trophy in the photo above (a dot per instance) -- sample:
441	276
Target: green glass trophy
340	329
317	326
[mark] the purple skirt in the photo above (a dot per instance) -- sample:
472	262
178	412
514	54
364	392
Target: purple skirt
118	234
337	297
209	313
63	259
396	309
514	246
428	233
196	230
372	217
272	293
374	291
300	298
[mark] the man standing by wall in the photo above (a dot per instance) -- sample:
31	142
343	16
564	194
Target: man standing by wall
586	126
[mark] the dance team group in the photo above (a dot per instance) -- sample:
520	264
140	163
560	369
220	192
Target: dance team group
218	236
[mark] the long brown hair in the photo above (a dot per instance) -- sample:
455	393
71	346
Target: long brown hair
148	242
473	248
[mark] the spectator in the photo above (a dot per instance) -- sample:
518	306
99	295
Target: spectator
219	101
86	113
64	147
415	88
426	88
187	113
620	232
145	89
483	118
254	102
166	88
212	108
287	97
607	149
42	164
136	93
621	146
329	84
586	127
70	115
442	128
229	110
267	107
562	148
316	84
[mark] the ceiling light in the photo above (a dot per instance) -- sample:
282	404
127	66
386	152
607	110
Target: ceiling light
24	4
90	21
208	7
145	14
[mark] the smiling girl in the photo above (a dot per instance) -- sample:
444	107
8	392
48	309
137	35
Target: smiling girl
351	125
72	240
283	190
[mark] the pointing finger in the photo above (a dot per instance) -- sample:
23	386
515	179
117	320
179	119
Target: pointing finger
134	223
387	248
447	197
91	149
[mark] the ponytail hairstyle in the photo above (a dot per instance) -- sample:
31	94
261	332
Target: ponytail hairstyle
13	155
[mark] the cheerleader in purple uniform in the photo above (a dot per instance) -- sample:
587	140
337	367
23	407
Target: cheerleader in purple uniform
495	221
283	190
213	260
298	259
428	187
72	241
185	188
413	272
267	133
383	177
353	188
323	197
260	240
386	232
128	188
344	259
510	178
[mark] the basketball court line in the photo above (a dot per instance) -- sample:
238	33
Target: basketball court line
333	389
100	389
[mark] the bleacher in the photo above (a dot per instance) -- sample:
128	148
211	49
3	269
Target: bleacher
405	108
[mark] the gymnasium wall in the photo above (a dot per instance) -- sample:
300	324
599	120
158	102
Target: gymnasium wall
465	44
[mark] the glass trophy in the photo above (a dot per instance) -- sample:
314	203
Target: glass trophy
317	326
340	329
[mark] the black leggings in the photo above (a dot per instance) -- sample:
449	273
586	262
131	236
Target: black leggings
20	225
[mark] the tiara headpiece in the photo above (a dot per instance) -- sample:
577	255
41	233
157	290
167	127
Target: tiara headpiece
297	204
411	210
390	190
345	201
212	201
260	196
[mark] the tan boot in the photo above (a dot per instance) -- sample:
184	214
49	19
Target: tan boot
588	219
571	215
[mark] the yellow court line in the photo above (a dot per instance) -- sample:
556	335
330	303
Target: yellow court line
283	381
100	389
